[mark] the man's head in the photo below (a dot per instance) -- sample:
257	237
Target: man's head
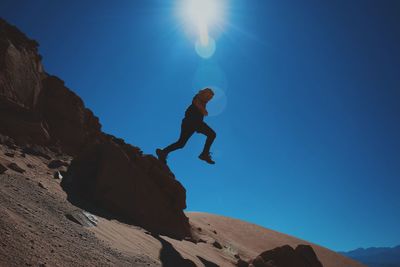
206	94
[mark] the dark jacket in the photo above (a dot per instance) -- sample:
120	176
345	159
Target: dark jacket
193	113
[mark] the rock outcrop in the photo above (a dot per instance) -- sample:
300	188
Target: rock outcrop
139	188
21	76
70	125
38	110
21	72
285	256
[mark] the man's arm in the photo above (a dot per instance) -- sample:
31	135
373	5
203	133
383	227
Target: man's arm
201	106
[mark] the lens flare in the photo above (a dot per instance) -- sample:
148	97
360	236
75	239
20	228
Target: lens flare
209	74
219	102
206	50
202	17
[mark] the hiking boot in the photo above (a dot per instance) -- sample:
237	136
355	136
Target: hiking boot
206	157
162	156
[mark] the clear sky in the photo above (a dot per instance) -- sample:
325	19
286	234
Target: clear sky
307	109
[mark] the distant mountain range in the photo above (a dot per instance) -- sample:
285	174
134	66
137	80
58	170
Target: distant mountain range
376	257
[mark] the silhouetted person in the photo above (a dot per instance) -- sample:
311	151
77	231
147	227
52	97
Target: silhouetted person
193	122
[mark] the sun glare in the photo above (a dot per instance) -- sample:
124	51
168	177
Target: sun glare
202	17
202	12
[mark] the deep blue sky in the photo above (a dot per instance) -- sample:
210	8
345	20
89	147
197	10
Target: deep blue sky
308	127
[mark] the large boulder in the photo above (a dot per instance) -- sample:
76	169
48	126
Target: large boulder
285	256
135	188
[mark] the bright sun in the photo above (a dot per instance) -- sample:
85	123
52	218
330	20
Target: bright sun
204	12
202	16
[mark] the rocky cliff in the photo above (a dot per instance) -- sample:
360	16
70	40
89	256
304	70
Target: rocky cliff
38	109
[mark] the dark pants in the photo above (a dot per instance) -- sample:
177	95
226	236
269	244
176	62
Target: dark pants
187	130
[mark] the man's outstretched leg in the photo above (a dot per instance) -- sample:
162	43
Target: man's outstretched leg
186	133
211	135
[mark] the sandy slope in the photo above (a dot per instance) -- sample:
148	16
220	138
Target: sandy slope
249	240
236	237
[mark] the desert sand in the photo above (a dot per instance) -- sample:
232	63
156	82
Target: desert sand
235	236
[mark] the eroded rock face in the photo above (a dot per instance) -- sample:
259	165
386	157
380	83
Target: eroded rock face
69	124
21	71
285	256
137	188
36	108
21	75
38	111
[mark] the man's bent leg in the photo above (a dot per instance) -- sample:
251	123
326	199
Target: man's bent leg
211	135
186	132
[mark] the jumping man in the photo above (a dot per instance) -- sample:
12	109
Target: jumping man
193	122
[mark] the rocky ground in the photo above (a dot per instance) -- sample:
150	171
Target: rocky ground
39	226
34	225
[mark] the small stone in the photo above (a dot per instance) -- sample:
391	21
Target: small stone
217	245
190	239
2	168
36	151
15	167
30	166
54	164
55	149
42	185
83	218
9	154
215	232
10	143
57	175
242	263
